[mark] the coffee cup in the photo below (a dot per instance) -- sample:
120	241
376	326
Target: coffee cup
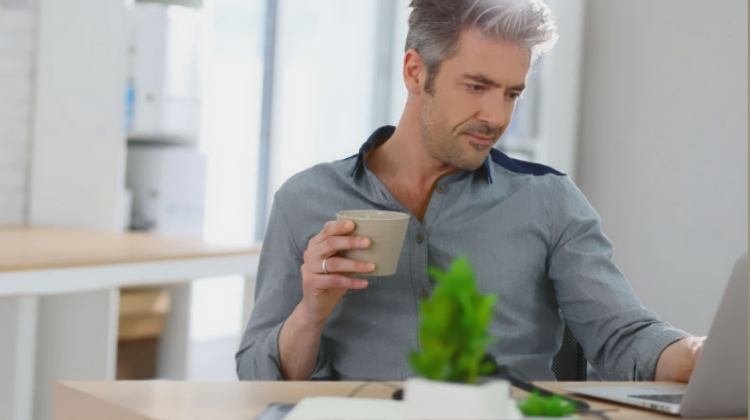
386	230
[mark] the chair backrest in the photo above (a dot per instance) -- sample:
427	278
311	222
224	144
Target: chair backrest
569	364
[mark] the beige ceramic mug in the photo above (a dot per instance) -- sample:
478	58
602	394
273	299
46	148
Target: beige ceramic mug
386	230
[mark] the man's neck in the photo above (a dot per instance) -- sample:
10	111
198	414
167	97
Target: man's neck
407	170
403	160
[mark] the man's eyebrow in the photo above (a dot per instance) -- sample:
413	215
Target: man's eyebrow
487	81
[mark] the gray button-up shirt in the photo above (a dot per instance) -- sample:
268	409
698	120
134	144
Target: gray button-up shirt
531	237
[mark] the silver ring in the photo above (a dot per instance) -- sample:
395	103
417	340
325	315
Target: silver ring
323	265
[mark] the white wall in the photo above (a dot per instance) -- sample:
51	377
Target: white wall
663	146
560	89
17	30
311	36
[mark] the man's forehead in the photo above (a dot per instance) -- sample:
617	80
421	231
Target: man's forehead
489	60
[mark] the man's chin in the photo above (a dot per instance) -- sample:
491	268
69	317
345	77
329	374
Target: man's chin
471	164
478	154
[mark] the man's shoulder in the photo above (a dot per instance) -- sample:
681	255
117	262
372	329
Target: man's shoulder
544	181
511	165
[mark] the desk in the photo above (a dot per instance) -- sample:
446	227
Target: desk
59	294
162	400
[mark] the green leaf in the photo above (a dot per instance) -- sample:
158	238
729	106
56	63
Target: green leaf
453	326
552	406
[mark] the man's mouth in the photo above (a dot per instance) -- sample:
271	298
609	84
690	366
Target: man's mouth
478	138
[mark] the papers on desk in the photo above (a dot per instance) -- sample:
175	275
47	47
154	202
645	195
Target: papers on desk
326	408
423	399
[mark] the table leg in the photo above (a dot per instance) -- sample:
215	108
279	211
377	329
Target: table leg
18	316
76	340
174	343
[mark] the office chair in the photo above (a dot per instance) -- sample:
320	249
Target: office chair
569	364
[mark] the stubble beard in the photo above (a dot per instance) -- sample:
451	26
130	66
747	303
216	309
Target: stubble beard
444	145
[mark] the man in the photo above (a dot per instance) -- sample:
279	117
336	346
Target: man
529	233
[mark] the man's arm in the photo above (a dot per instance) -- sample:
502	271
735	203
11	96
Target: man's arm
299	340
277	292
621	338
293	298
299	343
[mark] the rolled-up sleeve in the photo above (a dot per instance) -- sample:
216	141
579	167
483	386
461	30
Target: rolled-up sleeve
621	339
278	290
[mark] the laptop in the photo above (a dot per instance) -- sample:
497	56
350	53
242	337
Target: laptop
718	384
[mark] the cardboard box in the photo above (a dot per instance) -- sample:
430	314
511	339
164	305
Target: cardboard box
142	316
136	359
143	301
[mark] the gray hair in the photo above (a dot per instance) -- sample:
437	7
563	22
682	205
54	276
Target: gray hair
435	25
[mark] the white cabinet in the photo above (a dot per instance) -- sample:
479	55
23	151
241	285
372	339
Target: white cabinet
168	183
164	101
78	112
77	179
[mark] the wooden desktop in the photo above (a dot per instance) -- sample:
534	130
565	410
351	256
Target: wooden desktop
162	400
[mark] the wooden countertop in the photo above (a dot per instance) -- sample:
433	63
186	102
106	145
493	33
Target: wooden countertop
238	400
35	248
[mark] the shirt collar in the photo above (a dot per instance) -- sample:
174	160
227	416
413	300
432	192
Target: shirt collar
378	137
381	135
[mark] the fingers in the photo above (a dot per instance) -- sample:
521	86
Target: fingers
335	281
335	244
696	345
332	245
332	228
333	238
344	265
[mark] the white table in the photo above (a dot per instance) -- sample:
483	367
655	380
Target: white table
59	296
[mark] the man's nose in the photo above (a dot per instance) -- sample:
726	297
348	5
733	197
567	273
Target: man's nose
494	111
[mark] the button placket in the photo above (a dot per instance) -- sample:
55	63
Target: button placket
426	290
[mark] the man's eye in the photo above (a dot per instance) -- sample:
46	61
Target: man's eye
514	95
474	87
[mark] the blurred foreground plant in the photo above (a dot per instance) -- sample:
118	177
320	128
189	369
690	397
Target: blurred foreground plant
553	406
453	327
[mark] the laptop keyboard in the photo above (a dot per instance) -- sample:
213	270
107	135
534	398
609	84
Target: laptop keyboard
667	398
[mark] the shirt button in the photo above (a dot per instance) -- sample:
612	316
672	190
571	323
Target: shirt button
425	294
440	189
420	237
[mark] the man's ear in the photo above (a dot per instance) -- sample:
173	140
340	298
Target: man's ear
415	71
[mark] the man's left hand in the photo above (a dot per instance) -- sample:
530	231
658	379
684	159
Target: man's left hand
677	361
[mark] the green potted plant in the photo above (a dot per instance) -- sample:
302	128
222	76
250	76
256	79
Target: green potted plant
453	327
453	337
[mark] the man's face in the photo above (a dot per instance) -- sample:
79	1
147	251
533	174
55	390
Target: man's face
472	99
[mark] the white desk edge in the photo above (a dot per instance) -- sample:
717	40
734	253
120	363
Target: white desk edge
36	340
105	276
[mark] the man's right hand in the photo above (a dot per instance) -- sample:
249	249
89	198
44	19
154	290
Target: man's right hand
322	289
323	285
